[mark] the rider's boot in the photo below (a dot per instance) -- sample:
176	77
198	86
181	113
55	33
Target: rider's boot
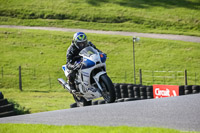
72	87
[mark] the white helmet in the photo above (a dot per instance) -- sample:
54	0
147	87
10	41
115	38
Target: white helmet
80	40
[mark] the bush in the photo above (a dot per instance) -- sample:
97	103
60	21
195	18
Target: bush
19	110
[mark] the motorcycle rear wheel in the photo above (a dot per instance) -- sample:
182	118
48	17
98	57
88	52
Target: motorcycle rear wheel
81	101
108	92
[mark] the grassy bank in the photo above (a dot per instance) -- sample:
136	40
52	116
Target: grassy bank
39	101
30	128
175	17
42	53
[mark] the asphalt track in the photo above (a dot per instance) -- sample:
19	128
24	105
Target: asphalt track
148	35
181	112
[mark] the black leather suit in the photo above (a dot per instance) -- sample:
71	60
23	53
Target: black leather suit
72	56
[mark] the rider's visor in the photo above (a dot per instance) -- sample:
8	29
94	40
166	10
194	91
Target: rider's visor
82	44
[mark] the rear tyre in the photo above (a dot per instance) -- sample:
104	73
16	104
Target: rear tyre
95	102
108	89
81	101
73	105
101	102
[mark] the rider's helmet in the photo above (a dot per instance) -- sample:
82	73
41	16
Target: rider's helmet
80	40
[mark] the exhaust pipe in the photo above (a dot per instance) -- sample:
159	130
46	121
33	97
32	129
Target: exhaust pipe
64	84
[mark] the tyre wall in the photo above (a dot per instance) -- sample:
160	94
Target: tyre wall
131	92
6	109
146	92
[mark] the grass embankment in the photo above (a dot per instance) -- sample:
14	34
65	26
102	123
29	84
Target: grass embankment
42	53
152	16
30	128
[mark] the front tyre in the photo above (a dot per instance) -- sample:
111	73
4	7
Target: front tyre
108	89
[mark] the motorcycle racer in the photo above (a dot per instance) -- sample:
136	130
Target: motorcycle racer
78	43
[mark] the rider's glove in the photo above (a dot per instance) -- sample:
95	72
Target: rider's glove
77	66
77	57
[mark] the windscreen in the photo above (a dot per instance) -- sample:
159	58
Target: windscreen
88	51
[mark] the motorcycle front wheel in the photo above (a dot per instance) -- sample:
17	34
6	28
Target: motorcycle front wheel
108	92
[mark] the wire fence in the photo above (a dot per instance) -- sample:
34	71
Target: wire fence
31	78
149	77
46	78
164	77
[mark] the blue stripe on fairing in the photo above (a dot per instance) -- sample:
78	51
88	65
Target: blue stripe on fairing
87	64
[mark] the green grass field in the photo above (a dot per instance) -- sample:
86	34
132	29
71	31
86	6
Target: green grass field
153	16
42	53
32	128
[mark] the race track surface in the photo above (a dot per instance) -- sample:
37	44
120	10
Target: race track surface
148	35
181	112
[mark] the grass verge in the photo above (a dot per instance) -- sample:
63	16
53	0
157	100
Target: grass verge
33	102
32	128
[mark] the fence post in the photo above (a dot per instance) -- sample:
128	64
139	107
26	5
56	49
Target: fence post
185	77
140	76
20	79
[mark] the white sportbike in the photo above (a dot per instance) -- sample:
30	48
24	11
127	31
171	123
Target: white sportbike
91	79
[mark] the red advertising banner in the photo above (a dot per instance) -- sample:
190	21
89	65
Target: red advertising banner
160	91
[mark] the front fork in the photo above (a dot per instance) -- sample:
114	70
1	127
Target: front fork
96	79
